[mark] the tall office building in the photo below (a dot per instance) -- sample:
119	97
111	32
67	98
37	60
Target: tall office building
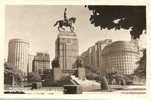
18	51
30	62
93	56
41	63
121	57
67	51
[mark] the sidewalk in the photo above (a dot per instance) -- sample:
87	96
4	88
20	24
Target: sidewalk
130	89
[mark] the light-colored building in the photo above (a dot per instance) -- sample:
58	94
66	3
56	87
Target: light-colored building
121	57
30	62
67	51
85	57
41	63
18	51
93	56
100	46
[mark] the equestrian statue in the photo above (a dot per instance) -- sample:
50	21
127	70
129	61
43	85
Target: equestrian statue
65	22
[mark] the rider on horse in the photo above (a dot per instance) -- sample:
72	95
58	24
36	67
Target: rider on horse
65	22
65	16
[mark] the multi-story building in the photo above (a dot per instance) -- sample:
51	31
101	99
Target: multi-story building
30	62
41	63
93	56
121	57
18	51
67	51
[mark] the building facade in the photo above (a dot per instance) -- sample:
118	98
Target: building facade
41	63
18	51
67	51
30	62
121	57
93	56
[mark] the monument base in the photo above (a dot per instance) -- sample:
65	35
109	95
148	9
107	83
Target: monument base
67	51
81	73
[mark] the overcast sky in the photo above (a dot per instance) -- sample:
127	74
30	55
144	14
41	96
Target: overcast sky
35	24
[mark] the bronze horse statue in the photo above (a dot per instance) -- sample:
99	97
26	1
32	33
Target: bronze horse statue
68	23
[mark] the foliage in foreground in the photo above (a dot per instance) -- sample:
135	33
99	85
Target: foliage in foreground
131	18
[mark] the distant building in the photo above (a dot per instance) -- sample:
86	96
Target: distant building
41	63
30	62
93	56
18	51
121	57
67	50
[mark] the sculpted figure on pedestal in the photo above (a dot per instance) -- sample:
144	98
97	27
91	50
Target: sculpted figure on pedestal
63	24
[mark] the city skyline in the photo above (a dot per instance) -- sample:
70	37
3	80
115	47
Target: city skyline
93	49
34	22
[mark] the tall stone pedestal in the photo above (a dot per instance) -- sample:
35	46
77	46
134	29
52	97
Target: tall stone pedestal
81	73
67	51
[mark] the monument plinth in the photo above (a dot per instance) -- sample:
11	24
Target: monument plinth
67	51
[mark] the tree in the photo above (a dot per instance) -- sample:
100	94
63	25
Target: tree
34	77
104	83
11	71
78	63
55	63
141	70
131	18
